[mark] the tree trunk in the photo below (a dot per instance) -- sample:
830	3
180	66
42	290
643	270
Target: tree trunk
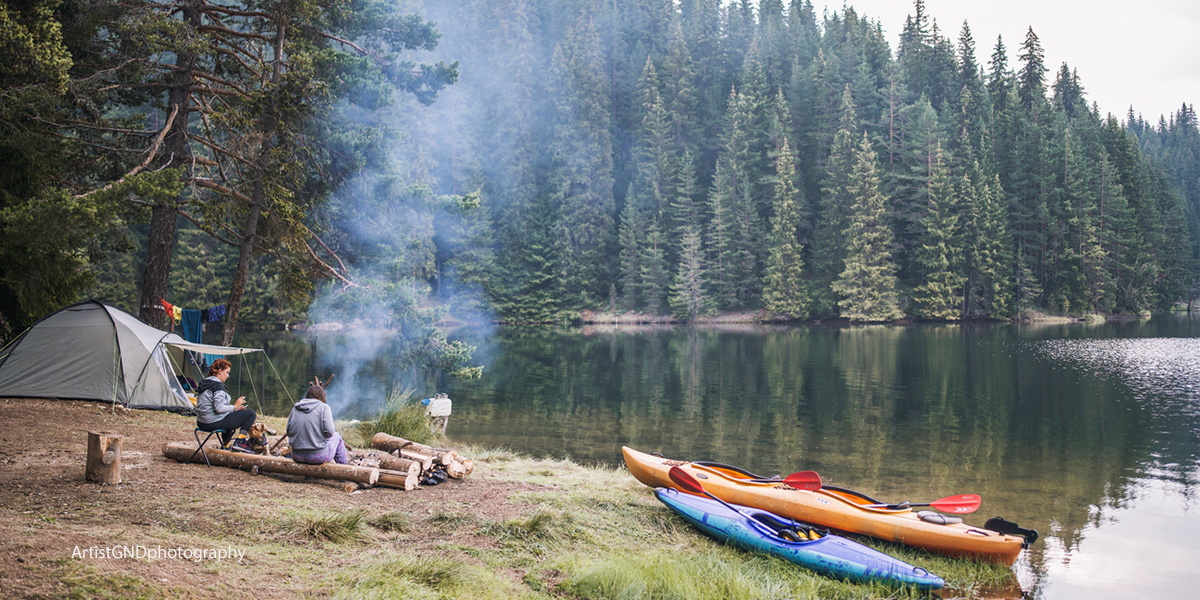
157	274
238	285
259	198
103	457
156	277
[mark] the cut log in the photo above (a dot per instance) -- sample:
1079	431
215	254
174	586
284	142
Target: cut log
103	457
446	456
456	470
401	479
468	466
181	451
425	461
395	463
390	443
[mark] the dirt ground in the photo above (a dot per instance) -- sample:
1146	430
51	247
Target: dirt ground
50	517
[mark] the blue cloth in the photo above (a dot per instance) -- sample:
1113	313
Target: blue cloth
190	322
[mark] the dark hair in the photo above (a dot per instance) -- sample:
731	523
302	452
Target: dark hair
316	391
219	365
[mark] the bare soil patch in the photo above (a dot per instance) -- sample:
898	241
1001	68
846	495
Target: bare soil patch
55	527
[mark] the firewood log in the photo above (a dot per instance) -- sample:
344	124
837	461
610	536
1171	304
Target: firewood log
390	443
426	462
181	451
406	480
456	470
468	466
395	463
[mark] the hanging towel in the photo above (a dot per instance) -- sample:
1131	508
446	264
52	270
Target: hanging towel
176	313
216	313
191	325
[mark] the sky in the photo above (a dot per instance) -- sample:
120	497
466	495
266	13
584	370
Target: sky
1144	54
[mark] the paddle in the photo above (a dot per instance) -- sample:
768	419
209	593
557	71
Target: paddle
960	504
687	483
804	480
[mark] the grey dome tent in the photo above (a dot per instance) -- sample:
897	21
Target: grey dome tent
92	351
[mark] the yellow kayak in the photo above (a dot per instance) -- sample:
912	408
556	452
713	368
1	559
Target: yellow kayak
840	509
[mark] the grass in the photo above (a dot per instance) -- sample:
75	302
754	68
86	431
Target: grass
391	521
402	416
586	533
327	526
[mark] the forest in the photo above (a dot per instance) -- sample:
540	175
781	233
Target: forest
524	160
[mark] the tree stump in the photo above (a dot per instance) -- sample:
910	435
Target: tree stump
104	457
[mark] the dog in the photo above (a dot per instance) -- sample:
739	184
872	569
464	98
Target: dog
258	439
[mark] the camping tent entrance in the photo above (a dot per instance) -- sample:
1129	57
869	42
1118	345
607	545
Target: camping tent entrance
92	351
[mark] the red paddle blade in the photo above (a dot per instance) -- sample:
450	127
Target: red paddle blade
961	504
804	480
685	481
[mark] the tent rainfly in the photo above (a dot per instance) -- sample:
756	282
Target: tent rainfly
92	351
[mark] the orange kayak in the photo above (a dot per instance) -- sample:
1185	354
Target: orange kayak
836	508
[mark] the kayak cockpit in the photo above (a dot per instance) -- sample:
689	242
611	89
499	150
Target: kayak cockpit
789	530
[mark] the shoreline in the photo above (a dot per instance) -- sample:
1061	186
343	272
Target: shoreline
517	527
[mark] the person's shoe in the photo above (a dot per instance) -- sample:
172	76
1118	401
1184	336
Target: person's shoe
241	445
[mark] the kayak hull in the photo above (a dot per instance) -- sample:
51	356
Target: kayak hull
836	508
830	555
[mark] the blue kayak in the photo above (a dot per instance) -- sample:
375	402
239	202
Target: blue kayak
827	554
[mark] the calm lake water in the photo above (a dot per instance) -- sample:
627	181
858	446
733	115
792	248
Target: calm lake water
1088	433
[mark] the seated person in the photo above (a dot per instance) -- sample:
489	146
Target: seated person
311	433
214	411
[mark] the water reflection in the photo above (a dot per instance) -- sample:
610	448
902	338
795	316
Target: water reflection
1088	433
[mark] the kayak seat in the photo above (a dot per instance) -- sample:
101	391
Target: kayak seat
937	518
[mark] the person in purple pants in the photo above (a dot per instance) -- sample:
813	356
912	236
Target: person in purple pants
311	432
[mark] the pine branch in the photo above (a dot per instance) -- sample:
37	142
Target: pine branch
153	152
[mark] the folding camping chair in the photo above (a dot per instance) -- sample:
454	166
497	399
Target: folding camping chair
200	445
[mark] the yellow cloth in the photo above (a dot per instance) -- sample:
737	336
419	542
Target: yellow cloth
176	313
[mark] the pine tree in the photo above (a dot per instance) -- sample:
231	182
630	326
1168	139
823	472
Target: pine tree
785	291
688	297
721	240
581	178
1032	78
999	76
833	216
939	256
1086	283
655	276
867	287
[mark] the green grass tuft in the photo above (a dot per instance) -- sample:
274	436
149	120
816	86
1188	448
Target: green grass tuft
402	416
329	526
391	521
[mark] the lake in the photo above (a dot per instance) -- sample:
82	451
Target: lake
1089	433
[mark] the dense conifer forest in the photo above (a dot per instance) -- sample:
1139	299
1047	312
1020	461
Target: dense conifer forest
543	157
688	157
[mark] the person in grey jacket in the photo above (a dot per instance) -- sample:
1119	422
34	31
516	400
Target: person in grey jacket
215	411
311	432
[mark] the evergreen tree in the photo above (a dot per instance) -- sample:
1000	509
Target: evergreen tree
688	297
581	178
867	287
1032	78
784	290
833	216
999	77
721	244
655	279
1084	281
939	256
